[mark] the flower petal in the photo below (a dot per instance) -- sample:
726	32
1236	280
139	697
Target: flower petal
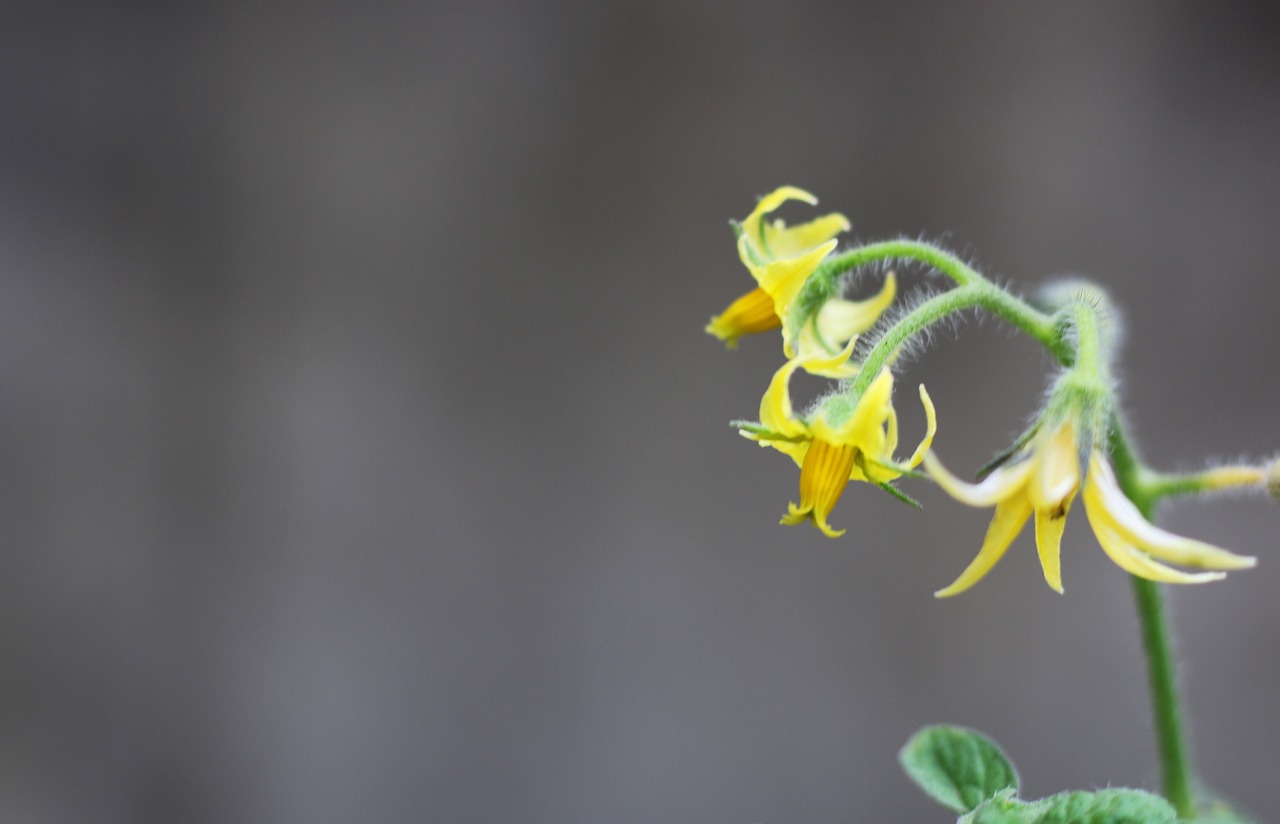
1134	562
783	279
1000	485
1005	526
751	313
775	407
930	429
1057	475
1049	527
753	226
821	363
872	409
838	319
1119	515
781	241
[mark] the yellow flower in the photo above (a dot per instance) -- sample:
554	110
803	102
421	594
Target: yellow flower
857	446
1044	482
781	259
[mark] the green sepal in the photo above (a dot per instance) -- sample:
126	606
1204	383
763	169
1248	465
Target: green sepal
958	768
764	432
899	494
1007	453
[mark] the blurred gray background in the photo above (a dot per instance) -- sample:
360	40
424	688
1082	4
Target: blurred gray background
362	457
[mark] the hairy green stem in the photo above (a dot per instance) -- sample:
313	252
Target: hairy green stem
978	294
945	262
1171	736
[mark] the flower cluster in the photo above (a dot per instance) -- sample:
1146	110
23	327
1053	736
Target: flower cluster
840	440
851	434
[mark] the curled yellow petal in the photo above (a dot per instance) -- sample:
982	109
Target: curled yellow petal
1114	510
1005	525
1135	562
753	225
838	319
930	429
1000	485
819	363
782	241
775	407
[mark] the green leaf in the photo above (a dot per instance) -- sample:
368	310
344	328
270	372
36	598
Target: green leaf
1003	809
958	768
1116	806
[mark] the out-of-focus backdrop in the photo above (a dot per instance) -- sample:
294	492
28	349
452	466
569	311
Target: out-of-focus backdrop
362	456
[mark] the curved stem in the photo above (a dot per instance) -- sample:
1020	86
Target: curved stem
926	253
974	294
1171	737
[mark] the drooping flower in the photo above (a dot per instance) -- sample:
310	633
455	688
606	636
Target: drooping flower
1043	481
838	443
781	259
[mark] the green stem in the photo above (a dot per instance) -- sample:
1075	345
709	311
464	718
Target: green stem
978	294
926	253
1171	736
1160	485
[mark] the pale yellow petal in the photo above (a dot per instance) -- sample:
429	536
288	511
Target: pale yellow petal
1135	562
890	435
931	429
839	319
775	407
1002	484
1057	475
783	279
1005	526
753	227
782	241
819	362
1118	514
872	410
1049	527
